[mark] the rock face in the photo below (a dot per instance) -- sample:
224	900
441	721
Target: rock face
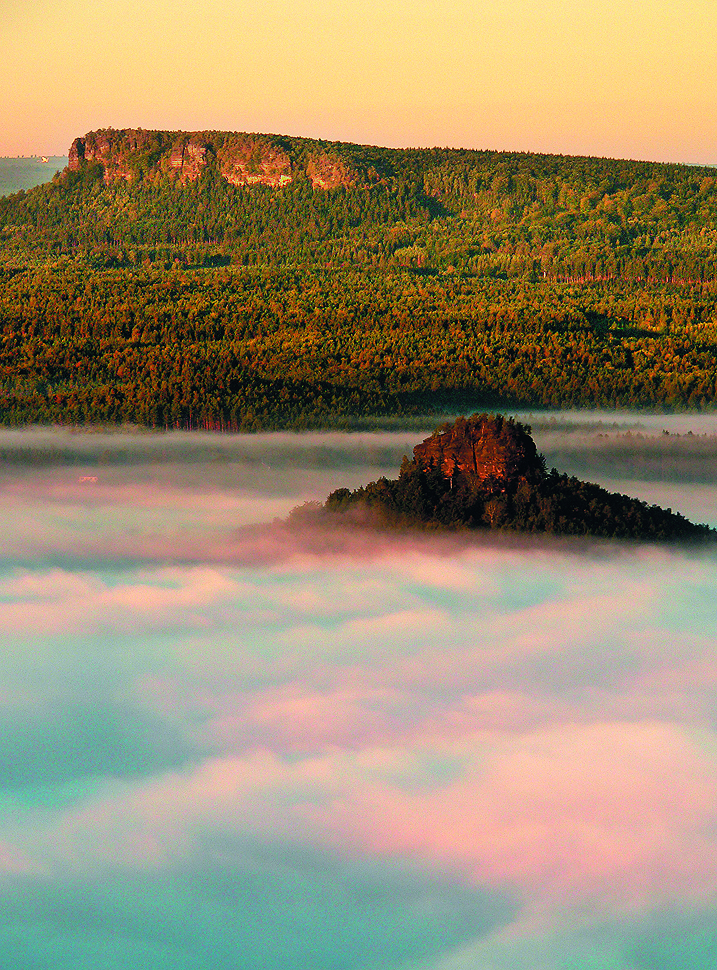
253	162
124	154
326	172
189	159
481	448
241	159
106	149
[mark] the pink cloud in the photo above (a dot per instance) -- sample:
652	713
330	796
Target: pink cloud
608	815
62	602
605	811
15	862
292	718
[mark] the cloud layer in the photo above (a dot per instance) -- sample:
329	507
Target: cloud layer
341	750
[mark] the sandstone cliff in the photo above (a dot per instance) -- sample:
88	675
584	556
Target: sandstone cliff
242	159
481	448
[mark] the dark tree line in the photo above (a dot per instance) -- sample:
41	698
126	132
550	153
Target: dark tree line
250	349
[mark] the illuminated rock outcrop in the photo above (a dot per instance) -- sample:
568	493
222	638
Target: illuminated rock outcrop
242	159
481	448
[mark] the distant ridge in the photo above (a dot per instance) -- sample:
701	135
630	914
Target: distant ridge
245	158
201	197
243	282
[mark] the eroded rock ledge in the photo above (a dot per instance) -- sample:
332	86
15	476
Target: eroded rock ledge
242	159
480	449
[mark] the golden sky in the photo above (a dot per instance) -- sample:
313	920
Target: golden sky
627	78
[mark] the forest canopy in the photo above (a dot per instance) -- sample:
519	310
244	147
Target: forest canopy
246	282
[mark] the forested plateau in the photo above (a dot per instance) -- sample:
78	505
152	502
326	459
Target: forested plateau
234	281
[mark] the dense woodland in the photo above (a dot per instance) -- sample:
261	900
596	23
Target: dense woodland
431	281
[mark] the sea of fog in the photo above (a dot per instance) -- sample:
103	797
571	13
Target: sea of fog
230	744
26	173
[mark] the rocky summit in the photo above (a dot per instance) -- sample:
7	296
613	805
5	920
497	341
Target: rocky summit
481	449
242	159
485	473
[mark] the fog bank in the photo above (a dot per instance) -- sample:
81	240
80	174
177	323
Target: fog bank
230	744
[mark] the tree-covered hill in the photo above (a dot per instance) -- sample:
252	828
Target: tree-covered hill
506	487
133	196
227	280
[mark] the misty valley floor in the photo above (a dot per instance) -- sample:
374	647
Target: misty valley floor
226	747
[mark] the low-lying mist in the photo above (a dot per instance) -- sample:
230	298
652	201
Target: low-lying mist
228	743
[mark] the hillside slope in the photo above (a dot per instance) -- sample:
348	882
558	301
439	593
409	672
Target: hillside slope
136	196
228	280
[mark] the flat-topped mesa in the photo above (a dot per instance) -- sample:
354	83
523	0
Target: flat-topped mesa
242	159
482	448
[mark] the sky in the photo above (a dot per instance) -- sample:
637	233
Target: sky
618	78
231	743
